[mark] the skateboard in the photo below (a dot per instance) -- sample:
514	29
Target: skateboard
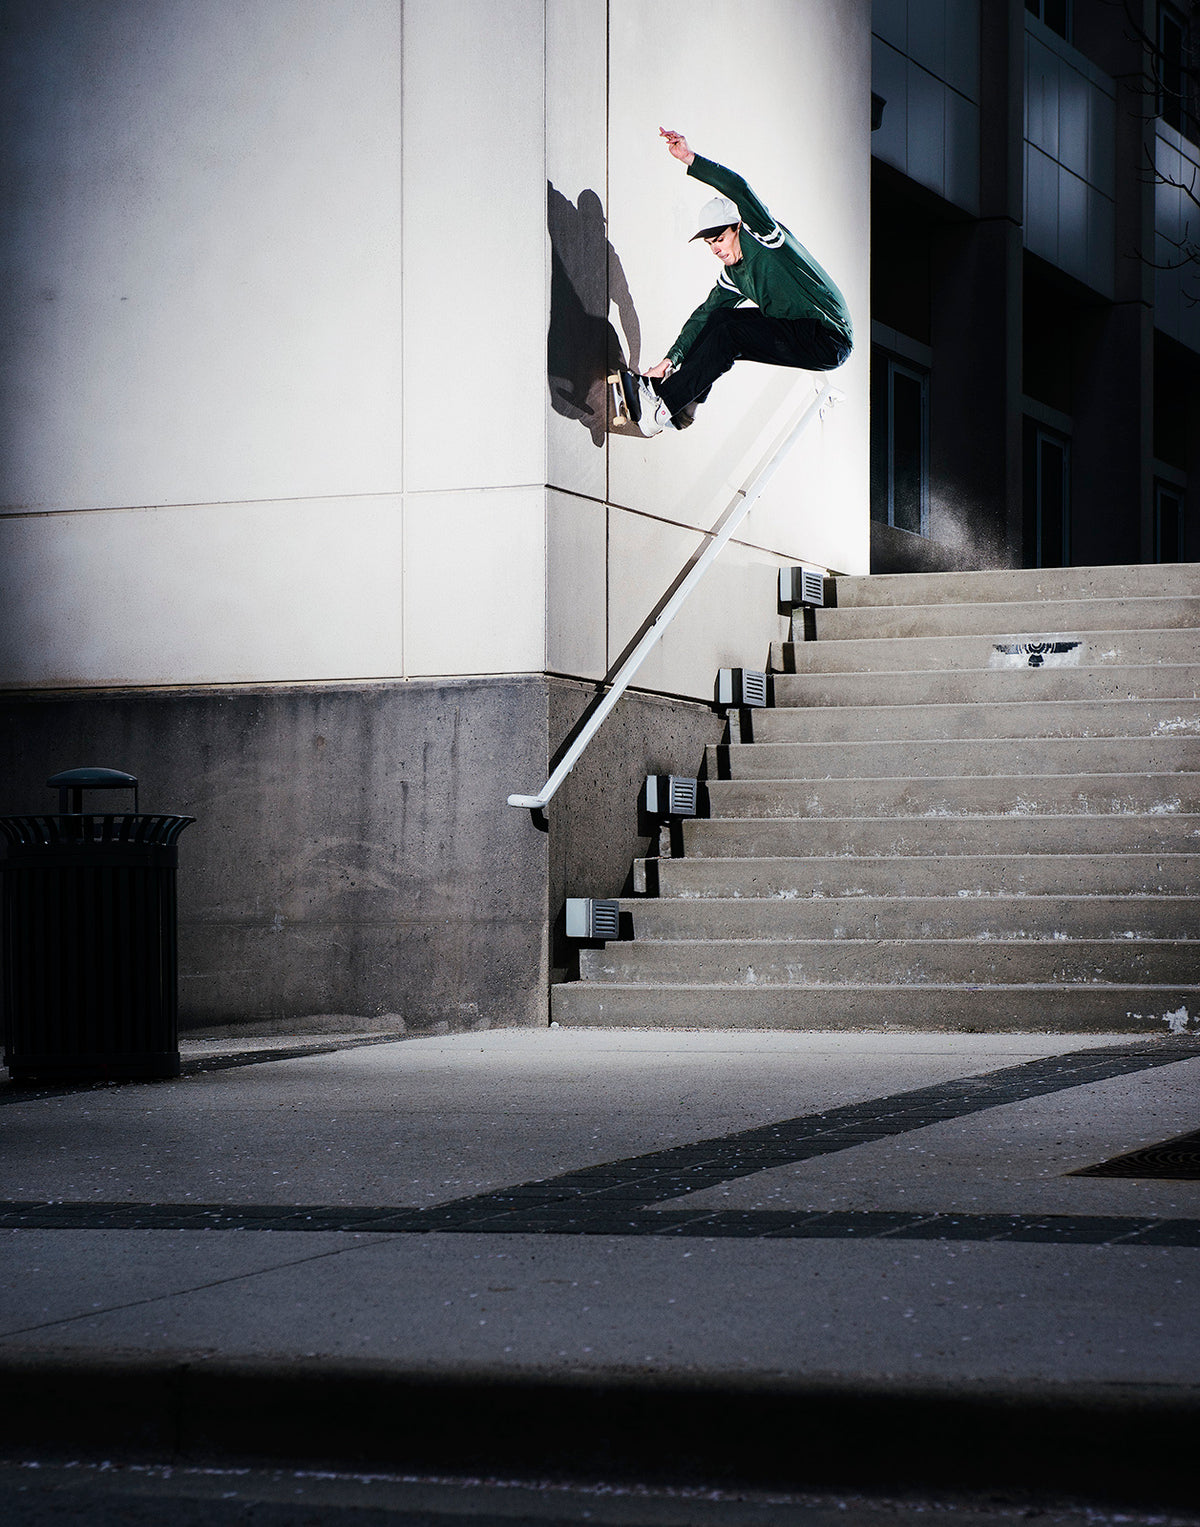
626	404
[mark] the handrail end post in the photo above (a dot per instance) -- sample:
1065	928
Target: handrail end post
533	802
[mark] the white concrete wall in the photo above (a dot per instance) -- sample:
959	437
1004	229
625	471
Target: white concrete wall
279	301
201	342
779	90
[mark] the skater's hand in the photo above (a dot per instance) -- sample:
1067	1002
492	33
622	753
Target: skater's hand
659	371
677	144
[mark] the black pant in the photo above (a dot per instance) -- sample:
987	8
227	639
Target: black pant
746	334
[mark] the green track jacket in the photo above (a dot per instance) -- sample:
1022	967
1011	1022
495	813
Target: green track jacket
776	271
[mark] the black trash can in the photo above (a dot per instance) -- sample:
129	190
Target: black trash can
91	965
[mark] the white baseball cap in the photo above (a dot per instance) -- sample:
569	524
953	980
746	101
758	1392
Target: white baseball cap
714	216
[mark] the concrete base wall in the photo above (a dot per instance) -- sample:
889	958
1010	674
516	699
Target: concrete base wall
353	861
596	828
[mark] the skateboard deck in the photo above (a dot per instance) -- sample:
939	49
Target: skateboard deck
626	405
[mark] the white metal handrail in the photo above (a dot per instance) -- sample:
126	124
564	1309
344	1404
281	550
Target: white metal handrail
733	515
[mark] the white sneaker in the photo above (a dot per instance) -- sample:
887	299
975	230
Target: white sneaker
655	415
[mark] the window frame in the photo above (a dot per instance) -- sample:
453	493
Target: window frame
1176	106
1043	436
1164	489
911	371
1037	8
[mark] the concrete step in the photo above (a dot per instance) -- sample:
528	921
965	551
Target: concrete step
900	654
963	875
915	917
804	761
1168	682
898	962
1074	615
1082	1008
975	757
954	796
946	837
919	723
1151	580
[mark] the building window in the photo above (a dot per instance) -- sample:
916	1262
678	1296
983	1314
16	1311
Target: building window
899	444
1056	14
1048	485
1168	523
1176	72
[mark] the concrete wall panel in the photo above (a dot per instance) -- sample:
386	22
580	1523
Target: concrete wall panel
813	512
201	294
889	20
926	129
592	321
595	831
927	34
475	582
730	618
207	594
1041	96
576	586
962	152
962	47
889	79
352	853
474	243
1041	204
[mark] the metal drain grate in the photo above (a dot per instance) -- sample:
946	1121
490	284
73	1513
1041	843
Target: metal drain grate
1178	1159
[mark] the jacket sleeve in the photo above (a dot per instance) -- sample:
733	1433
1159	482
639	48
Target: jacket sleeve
721	296
726	183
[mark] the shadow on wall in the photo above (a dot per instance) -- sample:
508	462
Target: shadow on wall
586	279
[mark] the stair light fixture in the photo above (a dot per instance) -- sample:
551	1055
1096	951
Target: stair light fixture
741	686
802	585
671	795
588	917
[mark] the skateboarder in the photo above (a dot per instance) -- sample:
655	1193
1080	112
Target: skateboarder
801	318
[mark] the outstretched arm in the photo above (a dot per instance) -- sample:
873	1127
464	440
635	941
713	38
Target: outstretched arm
677	144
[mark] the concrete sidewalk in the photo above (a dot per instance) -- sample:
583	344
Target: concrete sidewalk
792	1258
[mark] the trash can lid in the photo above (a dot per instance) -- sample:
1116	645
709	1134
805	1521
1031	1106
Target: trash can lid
93	779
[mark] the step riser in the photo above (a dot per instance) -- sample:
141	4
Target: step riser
1178	682
1071	1009
1049	584
804	761
921	723
1097	794
942	836
969	875
1099	649
916	917
982	619
902	963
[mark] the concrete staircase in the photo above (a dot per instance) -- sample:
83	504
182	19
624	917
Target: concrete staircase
974	805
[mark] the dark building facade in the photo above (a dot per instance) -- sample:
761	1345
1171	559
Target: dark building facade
1035	334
